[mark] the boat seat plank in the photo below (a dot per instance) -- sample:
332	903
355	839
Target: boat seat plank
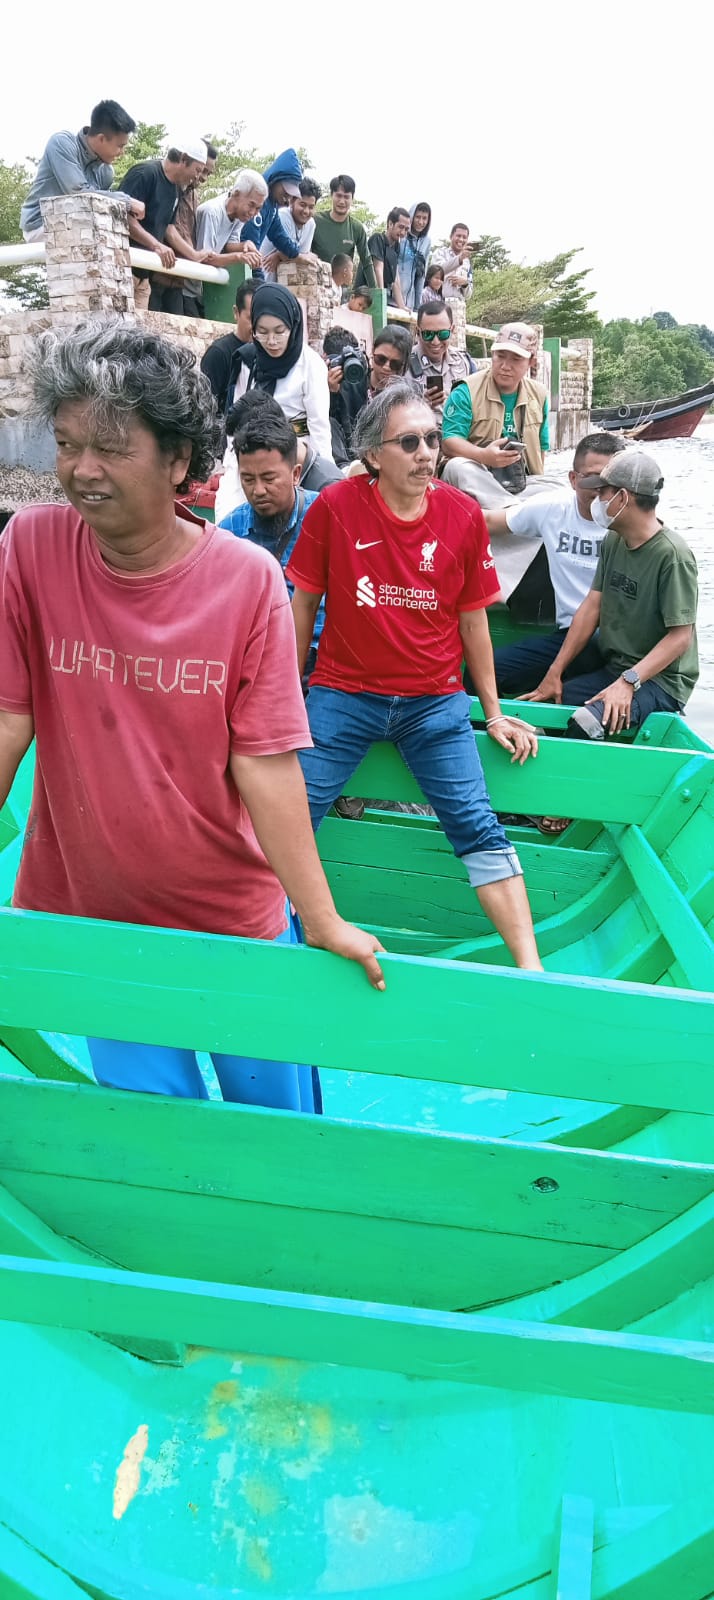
609	782
575	1549
277	1159
620	1369
626	1045
292	1247
689	941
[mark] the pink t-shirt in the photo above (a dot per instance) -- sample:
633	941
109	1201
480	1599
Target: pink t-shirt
140	688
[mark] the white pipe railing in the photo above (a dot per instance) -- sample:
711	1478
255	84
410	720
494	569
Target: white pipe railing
25	255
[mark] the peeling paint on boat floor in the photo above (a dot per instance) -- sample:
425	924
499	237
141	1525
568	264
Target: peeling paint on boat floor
128	1475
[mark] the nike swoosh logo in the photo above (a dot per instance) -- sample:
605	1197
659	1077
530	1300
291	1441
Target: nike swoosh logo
372	542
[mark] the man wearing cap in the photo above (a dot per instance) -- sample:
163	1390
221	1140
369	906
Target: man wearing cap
159	184
495	431
643	601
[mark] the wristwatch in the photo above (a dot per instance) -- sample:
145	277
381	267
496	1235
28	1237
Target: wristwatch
632	677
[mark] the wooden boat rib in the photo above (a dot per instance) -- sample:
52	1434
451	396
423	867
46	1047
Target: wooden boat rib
259	1354
676	418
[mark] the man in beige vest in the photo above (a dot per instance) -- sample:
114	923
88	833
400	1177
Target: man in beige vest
495	436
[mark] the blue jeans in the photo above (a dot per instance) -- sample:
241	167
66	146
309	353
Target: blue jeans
163	1069
434	736
520	667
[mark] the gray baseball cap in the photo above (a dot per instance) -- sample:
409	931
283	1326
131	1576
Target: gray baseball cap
628	469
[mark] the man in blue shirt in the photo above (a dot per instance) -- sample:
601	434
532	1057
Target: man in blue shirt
73	163
266	451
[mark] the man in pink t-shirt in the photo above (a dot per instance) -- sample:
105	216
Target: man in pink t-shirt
407	571
153	658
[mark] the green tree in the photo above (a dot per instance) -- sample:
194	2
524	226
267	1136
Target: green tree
647	360
144	145
546	292
26	286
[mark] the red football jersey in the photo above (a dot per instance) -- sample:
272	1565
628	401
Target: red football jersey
393	589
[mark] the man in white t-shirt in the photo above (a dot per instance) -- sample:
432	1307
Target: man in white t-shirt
298	220
572	544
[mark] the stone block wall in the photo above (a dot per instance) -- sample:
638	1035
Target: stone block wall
87	255
314	287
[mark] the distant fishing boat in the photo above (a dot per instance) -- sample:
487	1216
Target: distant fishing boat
676	418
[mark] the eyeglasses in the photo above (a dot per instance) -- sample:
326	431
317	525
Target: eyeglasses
394	363
435	333
410	442
276	336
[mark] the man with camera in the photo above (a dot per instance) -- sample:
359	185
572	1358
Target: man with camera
495	431
436	365
348	380
455	258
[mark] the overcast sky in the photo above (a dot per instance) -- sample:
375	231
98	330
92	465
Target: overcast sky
563	125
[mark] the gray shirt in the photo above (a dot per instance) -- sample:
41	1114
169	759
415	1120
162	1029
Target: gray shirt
214	227
67	166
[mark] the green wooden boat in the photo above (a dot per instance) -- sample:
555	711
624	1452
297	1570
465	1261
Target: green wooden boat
449	1342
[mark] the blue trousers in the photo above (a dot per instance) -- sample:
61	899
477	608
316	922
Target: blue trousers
521	667
434	736
162	1069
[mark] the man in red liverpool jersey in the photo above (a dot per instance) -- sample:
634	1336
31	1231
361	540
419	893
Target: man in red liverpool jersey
406	570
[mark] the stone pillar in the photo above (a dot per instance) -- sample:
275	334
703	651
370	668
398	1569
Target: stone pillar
457	306
314	287
87	255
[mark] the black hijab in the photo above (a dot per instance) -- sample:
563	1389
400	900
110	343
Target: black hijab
272	300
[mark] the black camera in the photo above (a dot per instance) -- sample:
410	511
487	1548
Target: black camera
353	363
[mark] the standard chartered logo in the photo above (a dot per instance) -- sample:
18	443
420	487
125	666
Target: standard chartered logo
365	592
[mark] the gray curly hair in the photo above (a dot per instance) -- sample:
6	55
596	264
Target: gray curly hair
371	425
124	372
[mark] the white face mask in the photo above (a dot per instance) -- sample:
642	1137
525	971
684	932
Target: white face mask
599	512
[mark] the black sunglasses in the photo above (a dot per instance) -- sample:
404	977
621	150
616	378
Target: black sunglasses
393	362
410	442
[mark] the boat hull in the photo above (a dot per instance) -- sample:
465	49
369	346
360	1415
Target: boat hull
646	420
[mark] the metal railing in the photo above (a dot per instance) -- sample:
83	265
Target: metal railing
25	255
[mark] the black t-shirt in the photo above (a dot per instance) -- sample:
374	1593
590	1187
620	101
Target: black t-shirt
147	181
220	365
381	250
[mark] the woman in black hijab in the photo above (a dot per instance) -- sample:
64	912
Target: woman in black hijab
279	361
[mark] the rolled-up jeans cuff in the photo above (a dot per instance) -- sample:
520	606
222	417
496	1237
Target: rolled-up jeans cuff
588	721
490	866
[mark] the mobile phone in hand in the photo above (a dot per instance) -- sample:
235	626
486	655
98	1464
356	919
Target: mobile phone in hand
512	444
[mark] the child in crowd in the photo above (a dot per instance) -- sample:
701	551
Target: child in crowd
342	269
360	300
433	284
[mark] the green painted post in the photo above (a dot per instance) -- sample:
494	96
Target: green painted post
378	309
219	298
553	348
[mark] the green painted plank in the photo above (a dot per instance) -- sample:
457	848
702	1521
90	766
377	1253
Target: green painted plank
575	1549
618	1369
271	1157
670	1558
23	1233
636	1283
308	1252
681	927
36	1052
456	1025
612	783
26	1575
